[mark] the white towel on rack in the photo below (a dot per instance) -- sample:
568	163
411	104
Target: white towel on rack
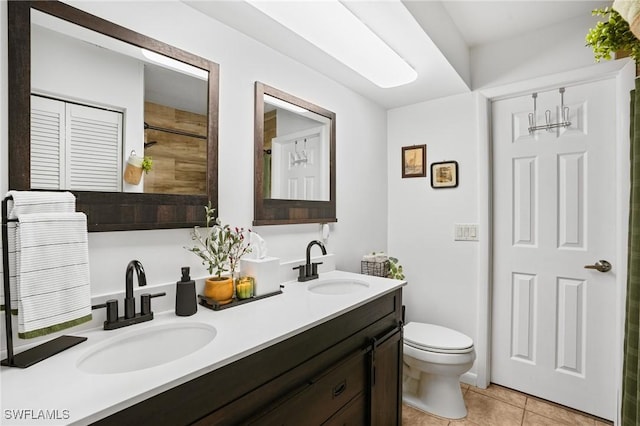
53	269
29	202
40	202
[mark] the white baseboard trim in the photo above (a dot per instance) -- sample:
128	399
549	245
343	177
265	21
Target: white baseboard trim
469	378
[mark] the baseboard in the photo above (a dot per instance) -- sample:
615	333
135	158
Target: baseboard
469	378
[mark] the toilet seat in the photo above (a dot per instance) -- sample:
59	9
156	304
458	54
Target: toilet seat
435	338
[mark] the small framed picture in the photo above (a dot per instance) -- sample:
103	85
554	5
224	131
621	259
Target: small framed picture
414	161
444	174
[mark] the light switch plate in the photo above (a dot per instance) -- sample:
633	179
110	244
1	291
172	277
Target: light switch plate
466	232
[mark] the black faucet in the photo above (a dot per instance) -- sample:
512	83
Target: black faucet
130	317
309	271
129	300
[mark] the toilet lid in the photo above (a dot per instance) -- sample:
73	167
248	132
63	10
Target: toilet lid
435	338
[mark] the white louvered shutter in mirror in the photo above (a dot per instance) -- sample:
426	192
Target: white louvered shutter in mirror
75	146
94	147
47	134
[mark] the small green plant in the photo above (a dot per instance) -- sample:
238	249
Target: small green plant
219	246
147	164
395	269
612	35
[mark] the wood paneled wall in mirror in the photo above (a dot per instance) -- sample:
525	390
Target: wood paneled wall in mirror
295	152
87	95
176	141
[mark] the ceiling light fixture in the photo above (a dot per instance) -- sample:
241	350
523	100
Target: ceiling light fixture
176	65
279	103
330	26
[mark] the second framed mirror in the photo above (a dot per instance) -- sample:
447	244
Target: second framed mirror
294	160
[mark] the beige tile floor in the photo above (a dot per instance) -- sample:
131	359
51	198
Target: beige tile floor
499	406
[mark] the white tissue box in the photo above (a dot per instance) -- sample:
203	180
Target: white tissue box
265	273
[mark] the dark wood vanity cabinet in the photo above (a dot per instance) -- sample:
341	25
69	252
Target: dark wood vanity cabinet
346	371
387	386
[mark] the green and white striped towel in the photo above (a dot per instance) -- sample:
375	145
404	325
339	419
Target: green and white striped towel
53	273
25	202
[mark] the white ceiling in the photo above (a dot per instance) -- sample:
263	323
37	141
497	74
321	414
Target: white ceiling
430	35
482	22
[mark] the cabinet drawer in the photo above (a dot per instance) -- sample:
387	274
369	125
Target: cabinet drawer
353	414
324	395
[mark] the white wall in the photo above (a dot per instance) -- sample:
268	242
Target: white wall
290	122
361	140
441	272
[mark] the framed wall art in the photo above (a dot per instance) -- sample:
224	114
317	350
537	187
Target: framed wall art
414	161
444	174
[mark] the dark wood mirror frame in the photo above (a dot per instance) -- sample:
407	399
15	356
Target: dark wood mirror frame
268	211
106	211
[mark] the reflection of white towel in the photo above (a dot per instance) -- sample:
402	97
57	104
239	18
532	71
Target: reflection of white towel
630	12
29	202
53	269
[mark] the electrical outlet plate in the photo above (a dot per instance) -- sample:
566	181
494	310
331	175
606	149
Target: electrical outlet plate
466	232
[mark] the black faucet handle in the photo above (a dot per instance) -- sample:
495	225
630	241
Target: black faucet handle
314	268
145	302
302	271
112	310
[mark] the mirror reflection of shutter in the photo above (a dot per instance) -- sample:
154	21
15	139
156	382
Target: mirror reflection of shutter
47	133
75	146
94	147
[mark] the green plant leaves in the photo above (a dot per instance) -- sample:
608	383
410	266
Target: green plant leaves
395	269
612	35
147	163
220	247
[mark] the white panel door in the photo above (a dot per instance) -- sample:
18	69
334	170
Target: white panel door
298	166
553	321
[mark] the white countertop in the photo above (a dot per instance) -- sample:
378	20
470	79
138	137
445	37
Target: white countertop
56	388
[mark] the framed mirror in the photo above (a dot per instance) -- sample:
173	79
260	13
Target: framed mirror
112	96
295	151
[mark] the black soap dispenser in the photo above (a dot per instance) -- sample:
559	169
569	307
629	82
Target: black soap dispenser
186	295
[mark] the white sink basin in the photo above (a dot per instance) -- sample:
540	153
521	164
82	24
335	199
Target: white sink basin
146	348
337	286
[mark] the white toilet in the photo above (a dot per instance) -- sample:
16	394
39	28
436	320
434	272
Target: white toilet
434	359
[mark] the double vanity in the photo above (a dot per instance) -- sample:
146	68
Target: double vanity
324	351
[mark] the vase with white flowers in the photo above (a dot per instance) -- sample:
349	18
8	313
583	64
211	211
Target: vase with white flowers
220	248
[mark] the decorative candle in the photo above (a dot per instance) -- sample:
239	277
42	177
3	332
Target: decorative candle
244	288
